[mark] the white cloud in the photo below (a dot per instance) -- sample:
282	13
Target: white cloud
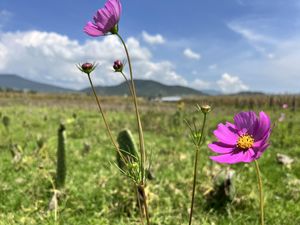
254	33
200	84
191	54
279	67
51	58
153	39
248	33
231	84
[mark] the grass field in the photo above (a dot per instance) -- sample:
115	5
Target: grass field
96	192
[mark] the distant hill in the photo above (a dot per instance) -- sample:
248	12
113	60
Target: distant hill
15	82
146	88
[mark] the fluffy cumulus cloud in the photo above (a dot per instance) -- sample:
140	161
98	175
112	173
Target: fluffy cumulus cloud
153	39
191	54
51	58
201	84
231	84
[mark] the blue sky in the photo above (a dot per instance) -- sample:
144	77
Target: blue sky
230	45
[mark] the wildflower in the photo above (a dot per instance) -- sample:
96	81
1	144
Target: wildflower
243	141
118	66
180	106
285	106
106	19
87	67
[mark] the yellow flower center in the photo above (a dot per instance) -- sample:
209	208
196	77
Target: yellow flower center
245	141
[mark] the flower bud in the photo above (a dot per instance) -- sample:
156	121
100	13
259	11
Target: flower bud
118	66
205	108
87	67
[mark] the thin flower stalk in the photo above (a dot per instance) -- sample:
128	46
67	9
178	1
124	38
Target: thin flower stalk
104	119
128	83
140	129
260	189
197	143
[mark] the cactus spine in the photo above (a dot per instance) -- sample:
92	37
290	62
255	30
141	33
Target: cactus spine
61	158
128	148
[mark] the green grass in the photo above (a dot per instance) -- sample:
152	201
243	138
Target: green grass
95	191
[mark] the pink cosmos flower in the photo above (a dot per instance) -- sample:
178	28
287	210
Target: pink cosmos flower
105	20
243	141
285	106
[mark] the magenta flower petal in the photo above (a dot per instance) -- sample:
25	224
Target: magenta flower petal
264	126
105	20
92	30
115	8
246	120
231	126
229	158
220	147
260	150
243	141
225	134
233	158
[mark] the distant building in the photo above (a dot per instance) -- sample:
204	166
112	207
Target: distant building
170	99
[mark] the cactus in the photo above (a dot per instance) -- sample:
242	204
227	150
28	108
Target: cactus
294	104
128	148
6	121
61	158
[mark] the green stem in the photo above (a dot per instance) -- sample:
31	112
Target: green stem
105	121
140	129
128	84
195	169
261	197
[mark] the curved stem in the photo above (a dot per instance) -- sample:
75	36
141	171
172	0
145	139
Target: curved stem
140	129
128	84
261	197
105	121
195	169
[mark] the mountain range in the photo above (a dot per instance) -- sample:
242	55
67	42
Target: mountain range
144	88
15	82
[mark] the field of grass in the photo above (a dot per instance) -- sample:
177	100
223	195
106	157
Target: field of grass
95	191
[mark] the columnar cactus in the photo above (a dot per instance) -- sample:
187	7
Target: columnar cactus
128	148
294	104
6	121
61	158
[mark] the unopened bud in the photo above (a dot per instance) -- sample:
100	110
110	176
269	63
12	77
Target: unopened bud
118	66
205	108
87	67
